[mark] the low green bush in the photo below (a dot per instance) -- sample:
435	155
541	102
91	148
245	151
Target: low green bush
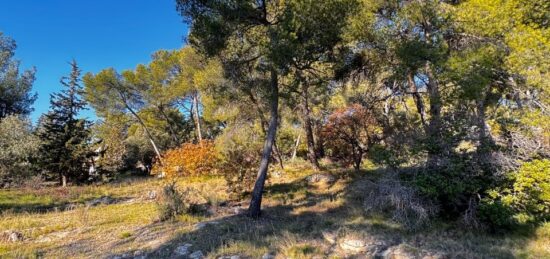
525	199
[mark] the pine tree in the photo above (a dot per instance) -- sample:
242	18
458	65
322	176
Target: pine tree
66	150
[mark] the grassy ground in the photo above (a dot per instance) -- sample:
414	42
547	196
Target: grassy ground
56	223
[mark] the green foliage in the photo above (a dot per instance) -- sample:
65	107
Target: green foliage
239	148
172	202
473	70
65	150
526	199
113	150
175	201
496	214
18	150
15	87
462	178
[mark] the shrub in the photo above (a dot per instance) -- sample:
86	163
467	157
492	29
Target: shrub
239	170
18	150
188	160
495	214
349	133
526	199
455	183
403	202
240	148
172	202
112	149
531	190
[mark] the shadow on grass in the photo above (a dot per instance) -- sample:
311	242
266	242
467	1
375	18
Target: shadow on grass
307	215
37	204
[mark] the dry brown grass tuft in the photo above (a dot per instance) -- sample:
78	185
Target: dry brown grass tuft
389	195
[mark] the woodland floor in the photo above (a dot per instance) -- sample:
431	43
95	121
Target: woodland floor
300	220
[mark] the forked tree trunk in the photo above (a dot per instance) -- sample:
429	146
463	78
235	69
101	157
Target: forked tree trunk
413	89
254	209
308	128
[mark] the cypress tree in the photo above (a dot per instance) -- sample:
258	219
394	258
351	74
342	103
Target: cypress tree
66	139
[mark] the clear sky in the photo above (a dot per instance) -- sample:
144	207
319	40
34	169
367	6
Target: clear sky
97	34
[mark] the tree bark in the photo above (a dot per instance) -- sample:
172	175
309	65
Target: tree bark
254	209
413	89
196	116
357	158
296	147
140	121
263	122
484	134
308	128
148	133
434	126
63	180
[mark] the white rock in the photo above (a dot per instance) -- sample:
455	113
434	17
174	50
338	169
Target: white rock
203	224
329	237
354	245
139	255
196	255
200	225
315	178
268	256
239	210
11	236
151	195
183	249
399	252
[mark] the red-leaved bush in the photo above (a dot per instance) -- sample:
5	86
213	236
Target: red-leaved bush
349	133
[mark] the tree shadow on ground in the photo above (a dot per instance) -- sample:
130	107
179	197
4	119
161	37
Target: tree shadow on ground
308	213
59	205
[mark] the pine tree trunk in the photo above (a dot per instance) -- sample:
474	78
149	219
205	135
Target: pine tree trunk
263	122
254	209
63	180
196	116
413	89
279	155
311	154
434	126
296	147
358	158
484	134
148	133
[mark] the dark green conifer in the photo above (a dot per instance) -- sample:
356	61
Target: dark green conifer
66	138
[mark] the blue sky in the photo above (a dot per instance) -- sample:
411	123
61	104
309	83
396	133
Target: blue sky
98	34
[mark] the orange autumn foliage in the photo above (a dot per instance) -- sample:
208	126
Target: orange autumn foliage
188	160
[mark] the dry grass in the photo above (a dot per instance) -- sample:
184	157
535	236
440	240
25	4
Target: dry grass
295	216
